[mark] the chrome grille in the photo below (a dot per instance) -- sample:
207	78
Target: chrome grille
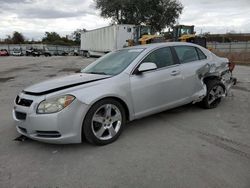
23	102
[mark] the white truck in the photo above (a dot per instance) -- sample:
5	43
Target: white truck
103	40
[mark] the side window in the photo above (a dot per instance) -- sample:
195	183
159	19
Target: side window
186	53
161	57
201	54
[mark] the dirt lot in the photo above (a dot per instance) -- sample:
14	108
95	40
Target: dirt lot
183	147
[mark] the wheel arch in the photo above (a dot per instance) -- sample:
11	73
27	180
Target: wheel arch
213	77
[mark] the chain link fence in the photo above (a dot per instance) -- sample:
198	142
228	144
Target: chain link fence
237	52
53	49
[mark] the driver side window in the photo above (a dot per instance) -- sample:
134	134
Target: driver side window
161	57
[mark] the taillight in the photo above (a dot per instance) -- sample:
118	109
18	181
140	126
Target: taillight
231	66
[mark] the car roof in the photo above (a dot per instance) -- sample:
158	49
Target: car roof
162	44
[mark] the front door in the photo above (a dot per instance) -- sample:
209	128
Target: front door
157	89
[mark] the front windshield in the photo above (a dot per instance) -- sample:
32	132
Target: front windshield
113	63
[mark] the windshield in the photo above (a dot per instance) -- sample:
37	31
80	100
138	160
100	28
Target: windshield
186	31
113	63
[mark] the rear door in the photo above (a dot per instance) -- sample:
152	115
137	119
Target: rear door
191	59
154	90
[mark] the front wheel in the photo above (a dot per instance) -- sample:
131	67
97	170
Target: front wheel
215	91
104	122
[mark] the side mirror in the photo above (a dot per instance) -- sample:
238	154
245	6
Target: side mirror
147	66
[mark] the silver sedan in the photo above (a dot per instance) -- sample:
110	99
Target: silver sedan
121	86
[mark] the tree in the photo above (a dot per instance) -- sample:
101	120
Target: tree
51	37
157	13
77	35
56	39
17	38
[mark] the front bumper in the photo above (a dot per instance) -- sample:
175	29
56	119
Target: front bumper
59	128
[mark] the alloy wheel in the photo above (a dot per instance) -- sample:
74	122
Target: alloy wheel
106	122
215	93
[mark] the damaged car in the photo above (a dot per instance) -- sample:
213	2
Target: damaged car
121	86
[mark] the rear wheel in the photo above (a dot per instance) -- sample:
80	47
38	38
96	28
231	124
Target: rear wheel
104	122
215	91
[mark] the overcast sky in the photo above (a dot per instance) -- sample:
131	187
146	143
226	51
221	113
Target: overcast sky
34	17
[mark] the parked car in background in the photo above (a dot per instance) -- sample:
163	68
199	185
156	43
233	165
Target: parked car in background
33	52
56	53
17	52
64	53
121	86
46	53
74	53
37	52
60	53
4	52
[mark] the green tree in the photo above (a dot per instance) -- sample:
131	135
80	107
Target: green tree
56	39
77	35
157	13
51	37
17	38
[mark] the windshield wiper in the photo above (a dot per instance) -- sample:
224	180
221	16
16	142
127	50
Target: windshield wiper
97	73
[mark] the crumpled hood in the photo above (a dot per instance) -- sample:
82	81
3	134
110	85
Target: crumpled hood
61	83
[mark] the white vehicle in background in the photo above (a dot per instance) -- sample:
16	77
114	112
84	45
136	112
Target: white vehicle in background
17	52
100	41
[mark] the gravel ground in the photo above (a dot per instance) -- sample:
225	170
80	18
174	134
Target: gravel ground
183	147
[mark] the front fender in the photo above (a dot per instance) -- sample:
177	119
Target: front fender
93	94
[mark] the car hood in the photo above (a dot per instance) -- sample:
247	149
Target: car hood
61	83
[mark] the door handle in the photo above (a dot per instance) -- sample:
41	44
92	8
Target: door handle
175	73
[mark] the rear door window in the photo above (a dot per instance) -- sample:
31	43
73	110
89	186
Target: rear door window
186	53
201	54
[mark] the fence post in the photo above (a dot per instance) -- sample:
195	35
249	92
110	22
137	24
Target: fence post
9	48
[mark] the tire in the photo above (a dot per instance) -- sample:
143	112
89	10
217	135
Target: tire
215	90
88	55
100	126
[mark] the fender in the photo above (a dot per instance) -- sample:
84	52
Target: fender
90	95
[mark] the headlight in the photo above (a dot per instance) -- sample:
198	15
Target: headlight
55	104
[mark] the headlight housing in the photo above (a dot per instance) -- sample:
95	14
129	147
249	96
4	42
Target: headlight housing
55	104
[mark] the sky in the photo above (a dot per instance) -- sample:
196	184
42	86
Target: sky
34	17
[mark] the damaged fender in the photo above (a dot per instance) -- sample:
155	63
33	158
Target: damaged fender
220	72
